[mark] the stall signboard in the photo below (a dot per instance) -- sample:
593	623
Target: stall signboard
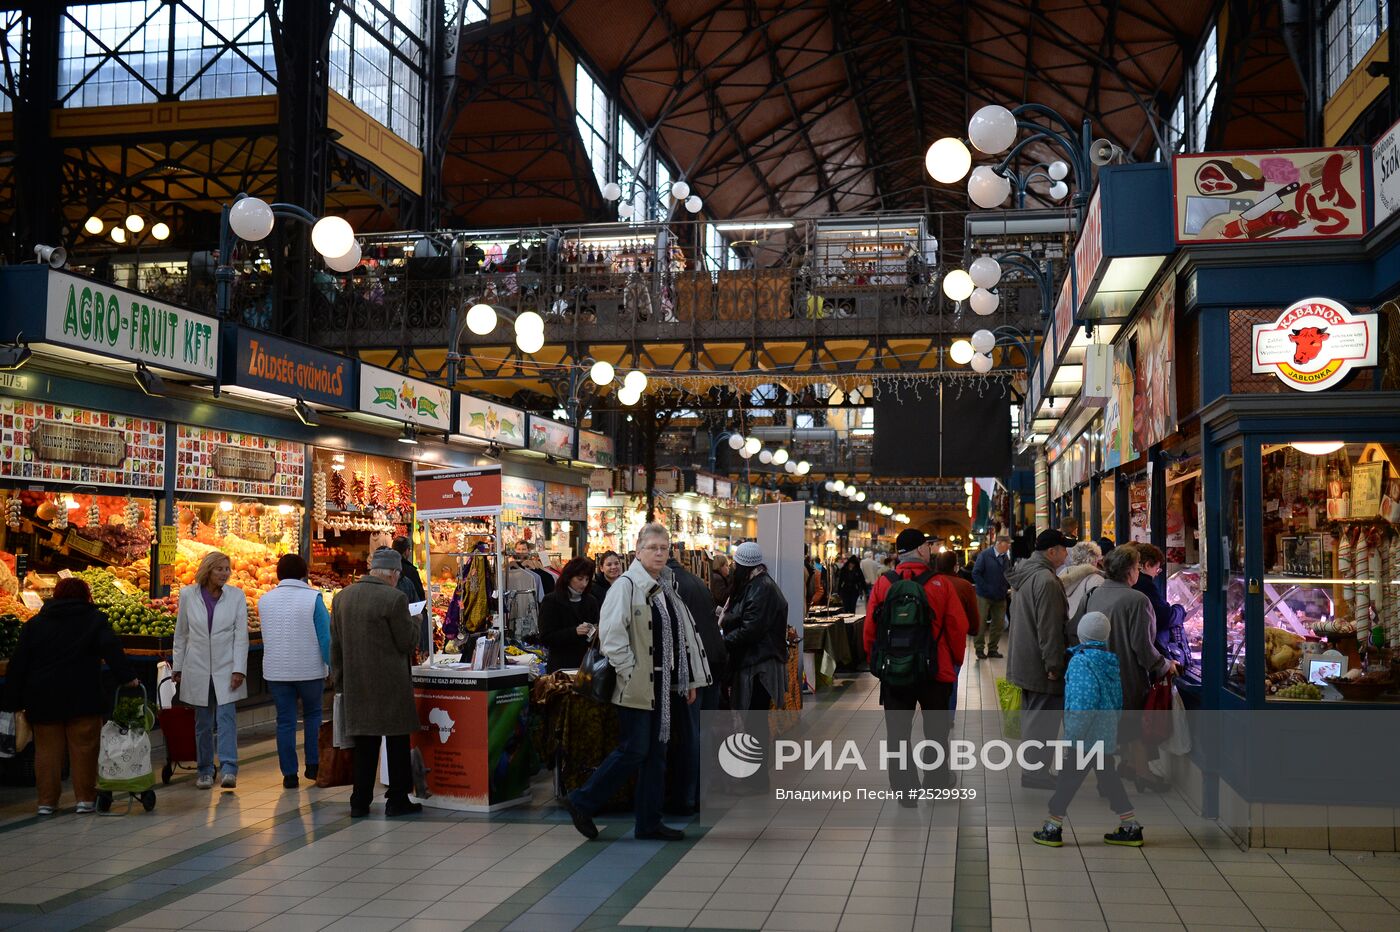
1314	344
553	438
724	489
485	420
565	502
1154	401
1248	197
596	448
705	485
1385	175
271	364
525	497
97	317
460	493
223	462
54	443
401	398
1088	250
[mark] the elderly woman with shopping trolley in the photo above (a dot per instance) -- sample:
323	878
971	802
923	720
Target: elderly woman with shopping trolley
211	664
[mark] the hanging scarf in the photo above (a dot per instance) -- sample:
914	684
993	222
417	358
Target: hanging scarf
673	660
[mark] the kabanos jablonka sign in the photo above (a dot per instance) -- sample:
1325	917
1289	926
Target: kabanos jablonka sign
1314	344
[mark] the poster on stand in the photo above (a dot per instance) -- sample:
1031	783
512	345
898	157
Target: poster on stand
224	462
1247	197
54	443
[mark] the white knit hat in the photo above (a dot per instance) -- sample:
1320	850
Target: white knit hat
1094	626
748	554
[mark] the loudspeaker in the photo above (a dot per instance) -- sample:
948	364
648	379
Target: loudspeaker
1098	375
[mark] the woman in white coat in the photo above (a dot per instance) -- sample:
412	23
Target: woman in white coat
211	663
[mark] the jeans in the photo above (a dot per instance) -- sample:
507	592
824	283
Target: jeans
933	699
993	612
286	695
640	751
367	765
1070	779
208	719
78	737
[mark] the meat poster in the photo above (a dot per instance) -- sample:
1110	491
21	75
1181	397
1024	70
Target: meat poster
1154	395
1243	197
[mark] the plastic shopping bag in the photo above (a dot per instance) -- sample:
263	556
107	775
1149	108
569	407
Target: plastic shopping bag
1009	698
9	728
1179	743
165	685
339	738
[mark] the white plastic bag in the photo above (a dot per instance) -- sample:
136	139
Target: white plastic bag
9	729
165	688
124	759
338	736
1179	743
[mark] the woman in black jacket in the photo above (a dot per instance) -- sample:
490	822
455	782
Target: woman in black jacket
850	583
569	616
55	677
755	633
609	568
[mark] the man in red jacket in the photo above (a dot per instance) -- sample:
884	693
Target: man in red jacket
933	696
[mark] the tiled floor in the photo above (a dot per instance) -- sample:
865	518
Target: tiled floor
271	859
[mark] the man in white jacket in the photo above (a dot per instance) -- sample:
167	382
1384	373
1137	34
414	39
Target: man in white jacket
296	630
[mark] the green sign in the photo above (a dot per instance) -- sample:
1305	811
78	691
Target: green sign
101	318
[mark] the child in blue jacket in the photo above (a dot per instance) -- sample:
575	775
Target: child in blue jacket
1093	704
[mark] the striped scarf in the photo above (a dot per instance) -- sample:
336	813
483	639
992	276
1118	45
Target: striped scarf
673	660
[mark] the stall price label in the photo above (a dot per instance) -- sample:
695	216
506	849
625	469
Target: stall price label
169	544
167	575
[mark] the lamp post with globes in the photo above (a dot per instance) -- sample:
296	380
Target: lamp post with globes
251	219
977	349
679	191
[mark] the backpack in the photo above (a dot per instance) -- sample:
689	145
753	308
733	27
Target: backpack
905	651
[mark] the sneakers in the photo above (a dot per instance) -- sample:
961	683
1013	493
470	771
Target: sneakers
230	781
86	808
1128	834
204	781
1050	835
46	810
290	782
583	823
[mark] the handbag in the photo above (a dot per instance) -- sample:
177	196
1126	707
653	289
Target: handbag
1171	639
337	767
596	677
1156	713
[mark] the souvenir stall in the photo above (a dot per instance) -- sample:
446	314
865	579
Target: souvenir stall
472	703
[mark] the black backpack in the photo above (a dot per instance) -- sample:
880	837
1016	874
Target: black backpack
906	653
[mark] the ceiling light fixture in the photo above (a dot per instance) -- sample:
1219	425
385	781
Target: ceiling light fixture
14	355
306	414
408	435
149	382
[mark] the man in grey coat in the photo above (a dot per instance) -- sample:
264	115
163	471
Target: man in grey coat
1038	650
372	643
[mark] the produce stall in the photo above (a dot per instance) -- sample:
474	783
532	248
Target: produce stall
359	503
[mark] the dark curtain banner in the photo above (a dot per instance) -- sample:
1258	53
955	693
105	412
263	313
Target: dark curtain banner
944	433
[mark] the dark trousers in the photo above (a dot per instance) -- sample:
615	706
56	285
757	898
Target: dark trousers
1040	721
640	751
1072	777
687	734
848	601
367	763
932	699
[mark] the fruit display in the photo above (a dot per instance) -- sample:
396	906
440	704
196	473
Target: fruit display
9	635
127	609
13	607
1306	691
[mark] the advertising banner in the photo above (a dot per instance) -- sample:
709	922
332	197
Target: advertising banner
223	462
553	438
596	448
458	492
1244	197
1314	344
413	401
495	423
101	318
1154	401
53	443
1385	175
565	502
1118	413
281	367
525	497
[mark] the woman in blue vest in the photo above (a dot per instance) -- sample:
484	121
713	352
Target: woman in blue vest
296	630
